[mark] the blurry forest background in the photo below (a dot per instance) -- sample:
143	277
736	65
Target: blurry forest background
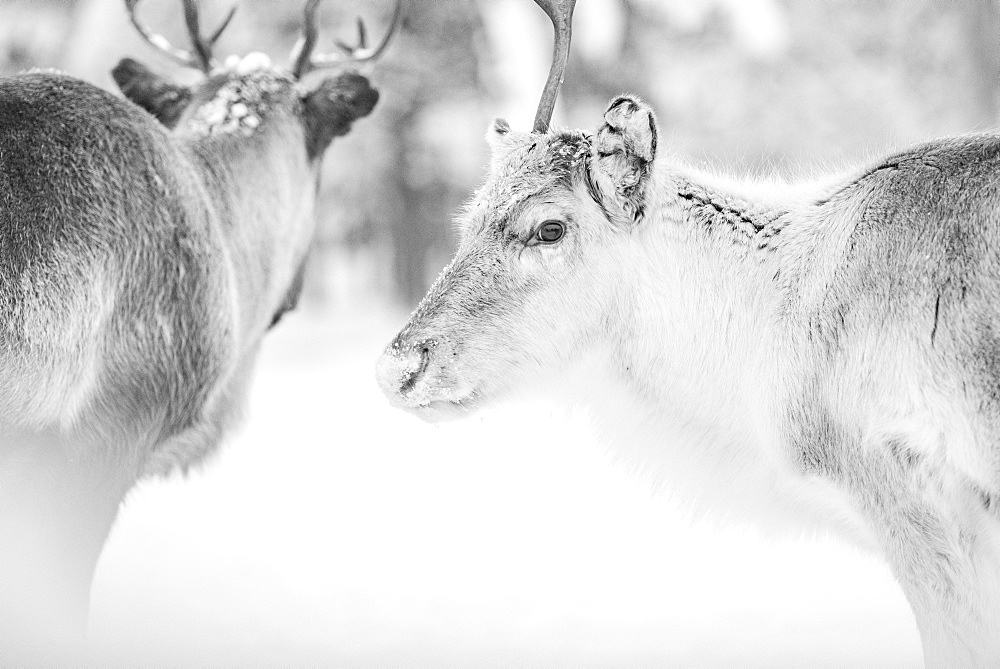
335	531
765	87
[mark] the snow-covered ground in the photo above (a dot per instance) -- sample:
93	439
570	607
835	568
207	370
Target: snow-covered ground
335	531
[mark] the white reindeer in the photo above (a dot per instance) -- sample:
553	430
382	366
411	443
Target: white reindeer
830	350
143	256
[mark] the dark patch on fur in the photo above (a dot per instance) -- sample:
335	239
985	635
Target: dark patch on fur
987	500
332	107
709	213
937	312
568	153
903	454
818	441
728	212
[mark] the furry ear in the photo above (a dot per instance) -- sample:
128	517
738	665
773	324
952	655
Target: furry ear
621	162
160	97
333	106
501	140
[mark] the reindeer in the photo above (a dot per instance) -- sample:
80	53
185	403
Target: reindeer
146	247
829	350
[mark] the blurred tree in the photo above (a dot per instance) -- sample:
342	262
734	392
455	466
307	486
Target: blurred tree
758	86
431	86
33	32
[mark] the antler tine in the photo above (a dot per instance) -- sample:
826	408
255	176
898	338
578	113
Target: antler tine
203	46
362	40
304	59
202	56
159	42
222	26
561	14
202	51
302	50
362	34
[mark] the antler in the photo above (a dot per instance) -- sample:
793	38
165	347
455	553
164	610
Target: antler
305	61
201	58
561	14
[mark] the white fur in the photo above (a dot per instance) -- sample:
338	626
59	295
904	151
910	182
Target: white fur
740	345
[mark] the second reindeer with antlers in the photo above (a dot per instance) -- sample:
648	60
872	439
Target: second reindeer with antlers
143	260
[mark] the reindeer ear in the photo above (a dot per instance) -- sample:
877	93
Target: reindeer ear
333	106
159	96
502	141
623	151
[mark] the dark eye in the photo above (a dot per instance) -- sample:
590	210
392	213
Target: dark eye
550	232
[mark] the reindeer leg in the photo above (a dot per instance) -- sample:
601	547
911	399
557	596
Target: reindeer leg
57	506
942	542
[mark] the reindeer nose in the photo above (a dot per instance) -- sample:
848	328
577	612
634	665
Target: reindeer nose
401	366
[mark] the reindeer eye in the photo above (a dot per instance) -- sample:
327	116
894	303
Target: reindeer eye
550	232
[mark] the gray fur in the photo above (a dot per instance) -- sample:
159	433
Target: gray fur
141	263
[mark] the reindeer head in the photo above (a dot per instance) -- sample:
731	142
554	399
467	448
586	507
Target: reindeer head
259	132
237	96
524	292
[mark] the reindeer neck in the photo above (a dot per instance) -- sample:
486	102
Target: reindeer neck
706	352
704	327
262	189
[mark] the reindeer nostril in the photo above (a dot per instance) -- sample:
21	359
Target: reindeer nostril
411	380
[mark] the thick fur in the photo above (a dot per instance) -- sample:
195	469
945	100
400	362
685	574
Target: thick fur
142	263
825	353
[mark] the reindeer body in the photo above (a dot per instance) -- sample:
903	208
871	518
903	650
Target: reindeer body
828	354
128	308
86	256
145	253
824	353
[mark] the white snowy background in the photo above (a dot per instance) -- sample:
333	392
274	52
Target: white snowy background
334	531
